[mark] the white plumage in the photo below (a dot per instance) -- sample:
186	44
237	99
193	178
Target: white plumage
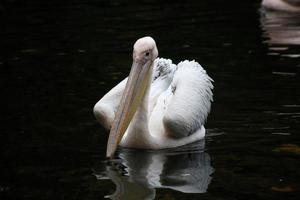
172	111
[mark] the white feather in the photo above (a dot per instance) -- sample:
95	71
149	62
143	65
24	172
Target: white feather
190	103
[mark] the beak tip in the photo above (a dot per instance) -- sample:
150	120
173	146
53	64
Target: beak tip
110	151
108	155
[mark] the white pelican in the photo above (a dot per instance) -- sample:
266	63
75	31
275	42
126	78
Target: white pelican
283	5
160	105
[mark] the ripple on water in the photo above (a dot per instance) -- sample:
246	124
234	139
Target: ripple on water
284	73
281	133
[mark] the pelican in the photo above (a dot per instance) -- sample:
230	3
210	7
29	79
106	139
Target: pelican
283	5
160	105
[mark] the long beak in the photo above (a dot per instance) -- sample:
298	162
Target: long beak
134	92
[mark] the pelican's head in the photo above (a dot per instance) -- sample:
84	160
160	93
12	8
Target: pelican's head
144	49
144	54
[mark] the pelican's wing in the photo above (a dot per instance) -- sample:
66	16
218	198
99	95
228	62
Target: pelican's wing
187	101
162	77
106	108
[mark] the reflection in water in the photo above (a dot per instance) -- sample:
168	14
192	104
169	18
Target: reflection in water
282	29
138	173
282	5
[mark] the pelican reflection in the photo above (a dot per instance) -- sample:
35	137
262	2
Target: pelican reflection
282	32
137	174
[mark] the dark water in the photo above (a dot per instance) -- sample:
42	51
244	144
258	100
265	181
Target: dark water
58	58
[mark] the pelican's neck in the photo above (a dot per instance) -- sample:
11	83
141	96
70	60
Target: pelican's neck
137	134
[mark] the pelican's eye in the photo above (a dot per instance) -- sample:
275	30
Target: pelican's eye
147	54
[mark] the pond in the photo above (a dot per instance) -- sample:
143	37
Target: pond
58	58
